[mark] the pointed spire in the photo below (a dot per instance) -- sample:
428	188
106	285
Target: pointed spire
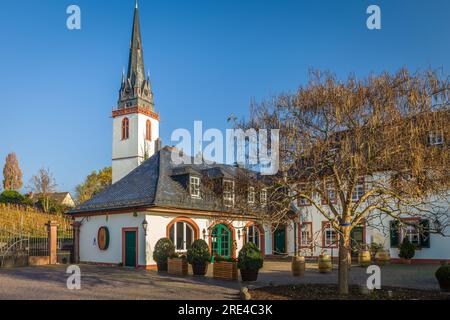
136	6
136	69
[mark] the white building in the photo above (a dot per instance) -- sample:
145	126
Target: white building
155	198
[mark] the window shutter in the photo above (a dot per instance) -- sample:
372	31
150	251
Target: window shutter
394	233
425	233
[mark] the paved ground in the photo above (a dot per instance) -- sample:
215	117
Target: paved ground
118	283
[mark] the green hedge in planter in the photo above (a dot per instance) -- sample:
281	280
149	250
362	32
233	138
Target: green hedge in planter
164	249
198	253
250	257
407	249
443	276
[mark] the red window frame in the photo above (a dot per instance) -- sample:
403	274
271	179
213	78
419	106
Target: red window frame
125	129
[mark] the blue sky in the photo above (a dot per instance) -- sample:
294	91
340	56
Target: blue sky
207	60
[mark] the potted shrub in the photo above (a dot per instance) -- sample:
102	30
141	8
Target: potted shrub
199	257
250	261
225	268
443	277
407	251
177	265
164	249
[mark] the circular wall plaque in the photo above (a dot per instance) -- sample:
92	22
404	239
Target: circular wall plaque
103	238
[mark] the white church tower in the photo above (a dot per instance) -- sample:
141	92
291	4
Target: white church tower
135	122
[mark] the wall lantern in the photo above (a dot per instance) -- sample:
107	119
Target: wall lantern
239	234
145	226
204	234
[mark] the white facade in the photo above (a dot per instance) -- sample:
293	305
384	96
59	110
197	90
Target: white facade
157	228
128	154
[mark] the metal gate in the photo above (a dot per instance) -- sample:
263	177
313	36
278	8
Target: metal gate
14	248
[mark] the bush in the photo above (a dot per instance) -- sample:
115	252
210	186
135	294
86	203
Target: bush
12	197
164	249
407	249
198	253
250	257
443	275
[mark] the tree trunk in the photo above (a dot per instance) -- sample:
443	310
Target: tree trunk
344	250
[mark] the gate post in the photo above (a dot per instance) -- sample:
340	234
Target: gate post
52	230
76	242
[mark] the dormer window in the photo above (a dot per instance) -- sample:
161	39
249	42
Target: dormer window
125	129
263	197
228	193
194	186
436	138
251	195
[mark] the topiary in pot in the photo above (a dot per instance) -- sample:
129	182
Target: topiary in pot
198	256
250	260
164	249
443	276
407	250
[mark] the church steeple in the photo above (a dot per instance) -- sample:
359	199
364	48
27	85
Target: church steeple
136	90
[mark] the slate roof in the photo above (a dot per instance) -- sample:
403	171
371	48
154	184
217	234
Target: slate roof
154	183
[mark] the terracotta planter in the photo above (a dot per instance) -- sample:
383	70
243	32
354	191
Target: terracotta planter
224	270
162	266
249	275
325	265
200	269
364	258
444	284
178	267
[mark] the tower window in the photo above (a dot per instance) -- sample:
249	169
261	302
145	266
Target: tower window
125	129
148	130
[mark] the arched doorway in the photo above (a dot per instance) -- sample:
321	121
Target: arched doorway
221	241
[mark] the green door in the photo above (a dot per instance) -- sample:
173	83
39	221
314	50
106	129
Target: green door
357	239
221	241
279	241
130	249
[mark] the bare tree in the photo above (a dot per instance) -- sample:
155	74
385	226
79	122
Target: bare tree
12	173
43	184
358	149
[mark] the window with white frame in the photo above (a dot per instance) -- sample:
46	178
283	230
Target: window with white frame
411	232
330	236
182	235
330	192
228	193
306	234
436	138
358	192
263	197
253	235
251	195
302	201
194	186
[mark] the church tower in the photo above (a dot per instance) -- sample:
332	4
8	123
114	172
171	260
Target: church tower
135	122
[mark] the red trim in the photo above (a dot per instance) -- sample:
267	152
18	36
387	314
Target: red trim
186	220
233	236
327	224
262	236
421	261
300	235
138	109
125	129
148	130
137	244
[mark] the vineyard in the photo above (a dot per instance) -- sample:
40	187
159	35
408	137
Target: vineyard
29	221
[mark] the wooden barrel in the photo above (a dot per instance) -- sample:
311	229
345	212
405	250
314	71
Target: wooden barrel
382	257
325	265
364	258
298	266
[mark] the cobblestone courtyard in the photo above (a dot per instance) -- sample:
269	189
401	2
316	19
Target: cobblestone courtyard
49	283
